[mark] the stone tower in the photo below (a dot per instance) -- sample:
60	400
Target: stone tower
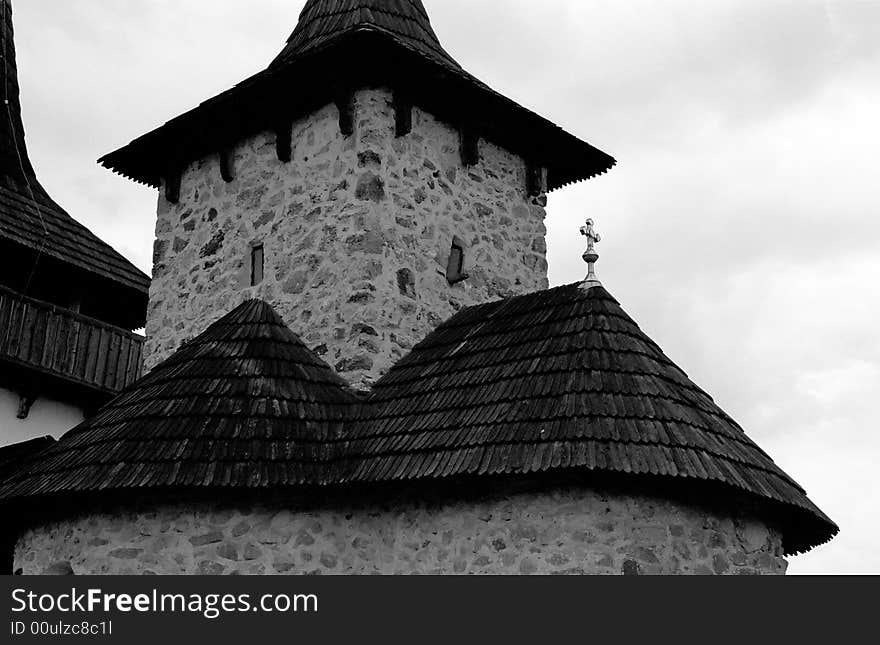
365	210
365	186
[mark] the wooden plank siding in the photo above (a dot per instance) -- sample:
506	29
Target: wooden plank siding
53	340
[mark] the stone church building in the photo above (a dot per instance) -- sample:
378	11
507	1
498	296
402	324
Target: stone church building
354	363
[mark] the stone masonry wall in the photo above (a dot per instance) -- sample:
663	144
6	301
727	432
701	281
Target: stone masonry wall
357	233
557	531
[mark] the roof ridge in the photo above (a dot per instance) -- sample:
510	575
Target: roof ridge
597	293
255	313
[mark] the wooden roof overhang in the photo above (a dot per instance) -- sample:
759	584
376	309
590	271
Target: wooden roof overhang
368	56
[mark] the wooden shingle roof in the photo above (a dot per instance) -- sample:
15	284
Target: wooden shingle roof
323	21
559	380
344	45
14	455
40	223
28	215
245	404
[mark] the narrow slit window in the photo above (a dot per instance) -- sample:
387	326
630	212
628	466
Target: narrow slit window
284	142
172	186
455	272
470	148
256	265
345	103
227	164
403	110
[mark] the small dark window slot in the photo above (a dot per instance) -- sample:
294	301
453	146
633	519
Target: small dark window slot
284	142
227	164
470	148
536	180
403	110
455	272
257	258
345	104
172	186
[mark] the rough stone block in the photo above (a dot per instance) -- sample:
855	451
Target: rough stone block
345	210
207	538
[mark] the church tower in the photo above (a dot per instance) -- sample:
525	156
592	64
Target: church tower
364	184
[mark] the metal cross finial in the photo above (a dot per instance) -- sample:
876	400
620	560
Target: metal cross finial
590	256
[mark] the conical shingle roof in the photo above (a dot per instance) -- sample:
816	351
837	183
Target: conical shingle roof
324	21
244	404
559	380
28	215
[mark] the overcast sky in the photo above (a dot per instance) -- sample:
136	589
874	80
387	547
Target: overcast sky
740	227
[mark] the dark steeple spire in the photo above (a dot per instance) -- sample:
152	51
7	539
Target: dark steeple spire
324	21
31	219
16	171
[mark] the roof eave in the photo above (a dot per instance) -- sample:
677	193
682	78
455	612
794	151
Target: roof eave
145	159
